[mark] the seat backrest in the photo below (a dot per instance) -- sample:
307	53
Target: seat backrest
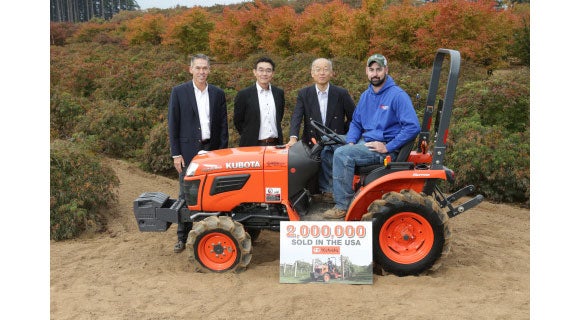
405	151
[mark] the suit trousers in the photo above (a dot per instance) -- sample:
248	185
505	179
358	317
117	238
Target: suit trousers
183	228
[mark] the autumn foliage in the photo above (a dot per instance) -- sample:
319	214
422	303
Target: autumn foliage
110	82
403	30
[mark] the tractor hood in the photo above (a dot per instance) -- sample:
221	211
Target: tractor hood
242	159
252	174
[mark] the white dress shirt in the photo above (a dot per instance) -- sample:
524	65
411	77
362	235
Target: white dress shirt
267	113
202	99
323	101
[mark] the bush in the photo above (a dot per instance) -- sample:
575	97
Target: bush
61	31
502	100
80	185
494	159
65	111
156	156
117	130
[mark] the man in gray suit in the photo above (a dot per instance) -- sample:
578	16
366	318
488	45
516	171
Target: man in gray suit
329	104
197	120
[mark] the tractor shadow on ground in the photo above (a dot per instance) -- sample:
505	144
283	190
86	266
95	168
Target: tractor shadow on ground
316	210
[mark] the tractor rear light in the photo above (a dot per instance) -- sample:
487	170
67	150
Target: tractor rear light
450	175
191	169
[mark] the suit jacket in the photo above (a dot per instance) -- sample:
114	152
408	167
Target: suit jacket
338	112
184	125
247	114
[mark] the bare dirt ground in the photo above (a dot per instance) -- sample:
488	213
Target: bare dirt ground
125	274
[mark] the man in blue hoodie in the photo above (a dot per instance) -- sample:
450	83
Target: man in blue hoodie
383	121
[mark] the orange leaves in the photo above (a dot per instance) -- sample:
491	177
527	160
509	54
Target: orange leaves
474	28
236	35
277	31
408	31
148	28
189	31
317	27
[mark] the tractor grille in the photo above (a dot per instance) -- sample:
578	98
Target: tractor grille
228	183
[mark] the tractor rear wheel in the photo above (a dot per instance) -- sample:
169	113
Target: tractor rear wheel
219	244
410	232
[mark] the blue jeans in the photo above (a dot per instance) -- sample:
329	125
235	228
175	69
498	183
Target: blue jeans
346	158
325	174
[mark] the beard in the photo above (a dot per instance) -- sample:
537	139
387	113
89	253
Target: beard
377	81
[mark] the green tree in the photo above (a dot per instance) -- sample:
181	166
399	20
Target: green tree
189	31
85	10
148	28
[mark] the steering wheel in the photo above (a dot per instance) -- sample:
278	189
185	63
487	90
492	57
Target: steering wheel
327	132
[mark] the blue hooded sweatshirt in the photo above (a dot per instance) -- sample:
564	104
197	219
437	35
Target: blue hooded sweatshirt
386	116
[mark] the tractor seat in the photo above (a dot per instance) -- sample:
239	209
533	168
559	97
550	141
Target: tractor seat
404	153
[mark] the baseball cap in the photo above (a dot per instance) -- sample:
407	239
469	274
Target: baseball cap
378	58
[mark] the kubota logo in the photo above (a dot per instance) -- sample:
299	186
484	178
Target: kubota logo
242	165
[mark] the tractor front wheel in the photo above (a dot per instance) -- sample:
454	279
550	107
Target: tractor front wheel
410	232
219	244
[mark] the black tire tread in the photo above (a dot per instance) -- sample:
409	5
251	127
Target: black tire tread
221	223
406	198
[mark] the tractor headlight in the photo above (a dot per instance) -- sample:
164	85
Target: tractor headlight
191	169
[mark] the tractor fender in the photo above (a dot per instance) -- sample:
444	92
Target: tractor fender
396	181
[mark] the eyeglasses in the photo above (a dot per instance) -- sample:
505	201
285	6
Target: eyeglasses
321	70
266	71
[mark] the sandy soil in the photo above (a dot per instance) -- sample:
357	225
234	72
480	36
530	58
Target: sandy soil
125	274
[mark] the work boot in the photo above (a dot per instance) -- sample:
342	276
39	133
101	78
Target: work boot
334	213
179	246
327	197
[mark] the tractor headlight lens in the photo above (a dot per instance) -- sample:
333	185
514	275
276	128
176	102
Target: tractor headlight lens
191	169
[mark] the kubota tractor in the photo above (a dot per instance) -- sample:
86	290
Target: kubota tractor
232	194
325	271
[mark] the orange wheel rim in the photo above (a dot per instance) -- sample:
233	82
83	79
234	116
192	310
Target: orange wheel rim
406	238
326	277
217	251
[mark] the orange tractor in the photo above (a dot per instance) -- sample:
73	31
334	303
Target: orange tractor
232	194
325	271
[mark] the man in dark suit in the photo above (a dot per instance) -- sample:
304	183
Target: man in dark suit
329	104
197	120
259	108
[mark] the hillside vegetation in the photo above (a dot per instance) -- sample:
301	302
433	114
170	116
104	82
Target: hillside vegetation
111	80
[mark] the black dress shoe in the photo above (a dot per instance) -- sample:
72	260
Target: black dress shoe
179	246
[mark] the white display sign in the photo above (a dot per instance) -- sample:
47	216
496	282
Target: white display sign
326	252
